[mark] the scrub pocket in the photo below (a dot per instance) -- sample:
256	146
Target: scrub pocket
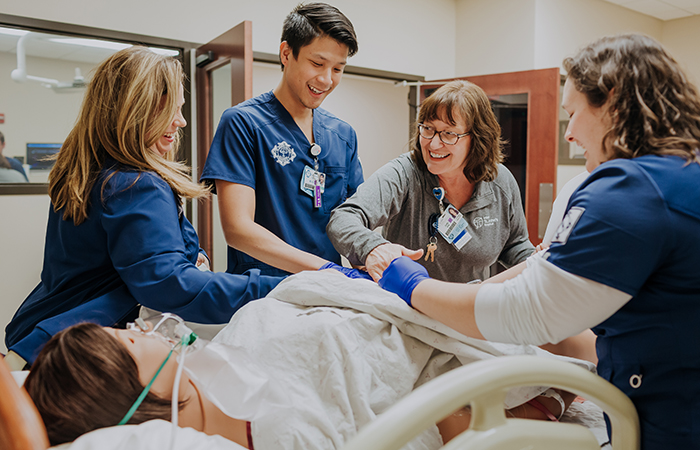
336	189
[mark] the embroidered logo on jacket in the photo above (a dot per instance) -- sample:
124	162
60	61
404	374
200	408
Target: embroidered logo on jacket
283	153
486	221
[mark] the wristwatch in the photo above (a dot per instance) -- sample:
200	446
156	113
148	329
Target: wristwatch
551	393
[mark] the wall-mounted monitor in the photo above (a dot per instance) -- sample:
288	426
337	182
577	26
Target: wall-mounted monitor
39	155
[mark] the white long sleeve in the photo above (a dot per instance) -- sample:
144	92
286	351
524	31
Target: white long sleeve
543	304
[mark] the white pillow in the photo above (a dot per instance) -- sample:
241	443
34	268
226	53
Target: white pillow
20	376
154	434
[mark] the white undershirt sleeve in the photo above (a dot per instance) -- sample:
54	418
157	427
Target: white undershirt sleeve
544	304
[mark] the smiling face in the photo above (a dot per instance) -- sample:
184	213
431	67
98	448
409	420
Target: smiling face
446	161
587	125
165	143
312	75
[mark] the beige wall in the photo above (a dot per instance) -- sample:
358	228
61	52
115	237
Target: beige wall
494	36
390	32
682	38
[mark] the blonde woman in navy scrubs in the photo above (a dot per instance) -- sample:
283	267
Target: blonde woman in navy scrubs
625	259
117	237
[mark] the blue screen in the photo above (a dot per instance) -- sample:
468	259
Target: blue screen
38	154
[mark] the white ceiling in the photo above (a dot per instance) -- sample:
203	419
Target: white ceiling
662	9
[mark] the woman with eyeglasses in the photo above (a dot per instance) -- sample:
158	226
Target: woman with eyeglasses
625	259
449	204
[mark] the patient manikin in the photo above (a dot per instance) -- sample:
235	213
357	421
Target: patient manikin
221	386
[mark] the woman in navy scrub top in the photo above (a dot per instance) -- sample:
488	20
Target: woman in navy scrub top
625	259
117	237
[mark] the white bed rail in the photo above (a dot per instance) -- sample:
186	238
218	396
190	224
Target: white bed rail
484	385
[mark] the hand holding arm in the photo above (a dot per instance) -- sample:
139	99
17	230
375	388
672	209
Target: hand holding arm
380	258
449	303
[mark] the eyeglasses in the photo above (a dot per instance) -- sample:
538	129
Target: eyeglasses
447	137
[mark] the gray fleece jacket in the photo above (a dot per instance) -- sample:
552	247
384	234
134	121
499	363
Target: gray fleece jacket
398	197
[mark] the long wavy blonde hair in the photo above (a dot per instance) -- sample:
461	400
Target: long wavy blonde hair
129	104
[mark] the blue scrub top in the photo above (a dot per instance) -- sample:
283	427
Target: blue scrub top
258	144
16	165
639	232
136	247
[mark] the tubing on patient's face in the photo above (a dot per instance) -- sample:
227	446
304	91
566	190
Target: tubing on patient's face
149	353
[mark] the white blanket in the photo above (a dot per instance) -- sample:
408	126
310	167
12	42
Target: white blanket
345	350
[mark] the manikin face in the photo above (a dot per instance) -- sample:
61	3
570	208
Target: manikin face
149	353
443	160
309	78
587	125
165	143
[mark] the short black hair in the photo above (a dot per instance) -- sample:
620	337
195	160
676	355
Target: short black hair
311	20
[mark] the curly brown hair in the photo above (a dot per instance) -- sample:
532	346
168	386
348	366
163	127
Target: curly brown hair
464	99
653	106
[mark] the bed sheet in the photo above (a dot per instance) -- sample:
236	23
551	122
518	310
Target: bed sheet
344	351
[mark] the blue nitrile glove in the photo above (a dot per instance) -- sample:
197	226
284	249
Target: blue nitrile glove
348	272
402	276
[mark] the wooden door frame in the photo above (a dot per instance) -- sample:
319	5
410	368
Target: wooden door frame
542	87
233	47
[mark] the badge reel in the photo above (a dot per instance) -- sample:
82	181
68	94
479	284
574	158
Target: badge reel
313	182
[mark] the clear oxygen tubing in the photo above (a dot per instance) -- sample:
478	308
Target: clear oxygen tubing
176	389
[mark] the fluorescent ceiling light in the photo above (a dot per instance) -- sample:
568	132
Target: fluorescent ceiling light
116	46
92	43
13	31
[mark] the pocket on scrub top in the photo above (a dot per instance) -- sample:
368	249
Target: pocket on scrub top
336	189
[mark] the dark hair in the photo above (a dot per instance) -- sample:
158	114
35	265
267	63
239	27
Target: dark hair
653	106
461	98
84	379
2	138
309	21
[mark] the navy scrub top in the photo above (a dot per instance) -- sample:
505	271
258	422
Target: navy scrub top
639	232
258	144
136	247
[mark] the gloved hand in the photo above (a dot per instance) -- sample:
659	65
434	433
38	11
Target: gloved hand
348	272
402	276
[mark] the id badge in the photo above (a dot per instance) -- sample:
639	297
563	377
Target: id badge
453	227
313	182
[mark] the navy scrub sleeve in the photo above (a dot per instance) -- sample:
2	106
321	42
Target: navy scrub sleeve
136	247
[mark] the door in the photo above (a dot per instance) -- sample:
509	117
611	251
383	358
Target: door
224	77
527	105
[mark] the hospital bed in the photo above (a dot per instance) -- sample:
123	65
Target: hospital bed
483	385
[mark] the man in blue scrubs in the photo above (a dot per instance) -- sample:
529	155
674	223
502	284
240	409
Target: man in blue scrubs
280	163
